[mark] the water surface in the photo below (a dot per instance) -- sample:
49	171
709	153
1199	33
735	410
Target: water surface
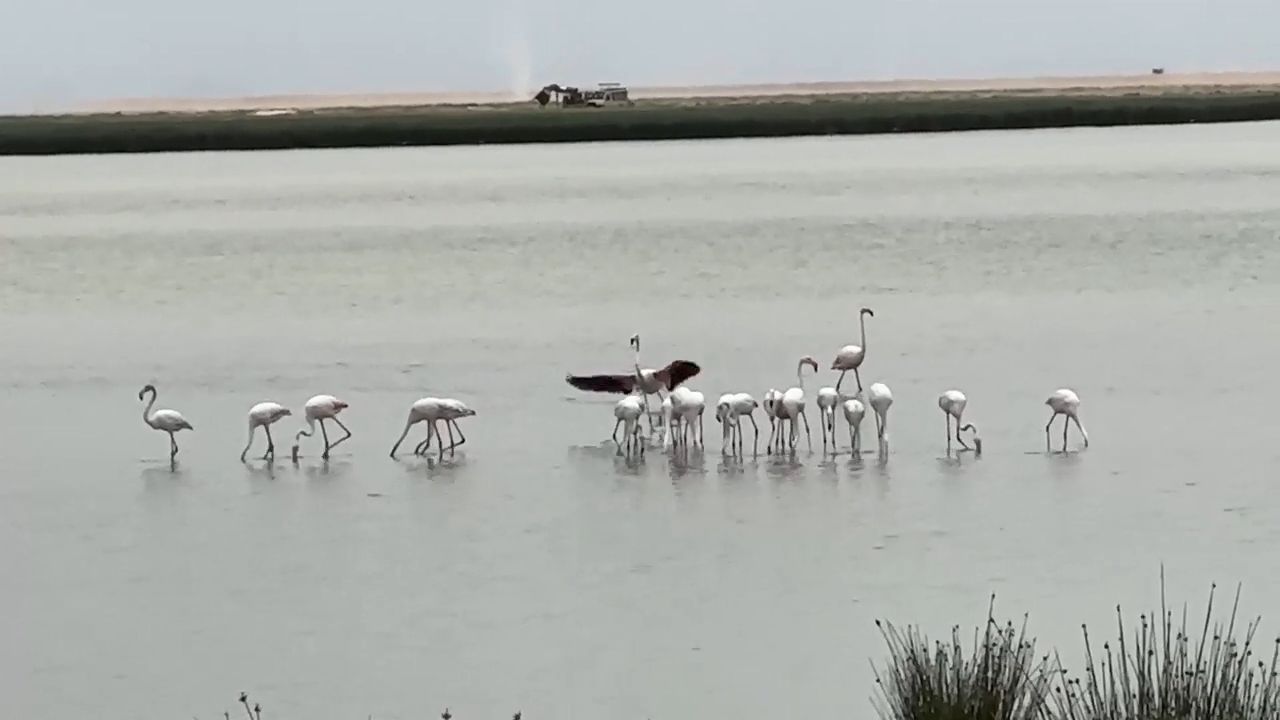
536	569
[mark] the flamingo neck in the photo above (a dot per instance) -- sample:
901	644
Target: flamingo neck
862	325
146	411
311	430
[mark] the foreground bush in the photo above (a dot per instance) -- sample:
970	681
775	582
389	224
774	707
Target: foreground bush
1162	672
999	678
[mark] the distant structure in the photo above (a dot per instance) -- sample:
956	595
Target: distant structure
604	94
1157	71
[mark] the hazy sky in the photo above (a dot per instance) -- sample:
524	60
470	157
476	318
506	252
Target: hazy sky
56	53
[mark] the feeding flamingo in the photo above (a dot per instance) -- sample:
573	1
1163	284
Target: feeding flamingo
853	414
952	404
772	399
627	412
850	357
321	408
687	406
729	411
1064	401
791	407
828	398
449	410
880	399
263	415
170	421
670	422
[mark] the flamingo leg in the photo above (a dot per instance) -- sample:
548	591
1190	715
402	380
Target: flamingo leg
1048	446
617	423
271	445
804	415
324	434
173	447
755	443
840	380
947	418
960	439
858	377
1065	427
702	439
449	429
439	440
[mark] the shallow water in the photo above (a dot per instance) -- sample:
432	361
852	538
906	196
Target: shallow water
537	570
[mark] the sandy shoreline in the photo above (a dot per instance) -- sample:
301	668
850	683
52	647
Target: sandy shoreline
1105	84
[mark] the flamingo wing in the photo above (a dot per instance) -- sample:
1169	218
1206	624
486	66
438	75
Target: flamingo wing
677	372
622	384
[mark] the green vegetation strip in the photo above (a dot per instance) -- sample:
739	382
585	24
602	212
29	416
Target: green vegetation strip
646	120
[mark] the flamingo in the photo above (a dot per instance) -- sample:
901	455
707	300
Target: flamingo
724	416
952	403
792	404
687	406
627	412
729	411
880	398
854	411
651	382
449	410
669	422
263	415
828	398
170	421
850	357
321	407
1064	401
772	399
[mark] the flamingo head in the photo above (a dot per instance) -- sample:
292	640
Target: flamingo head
635	342
866	311
808	360
145	389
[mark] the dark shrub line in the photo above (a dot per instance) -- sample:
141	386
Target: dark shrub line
654	120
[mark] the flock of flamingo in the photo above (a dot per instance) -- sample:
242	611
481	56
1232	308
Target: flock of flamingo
680	415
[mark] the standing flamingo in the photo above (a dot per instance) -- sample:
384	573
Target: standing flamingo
850	357
952	403
853	414
792	405
627	412
880	399
828	398
321	408
1064	401
650	381
170	421
772	399
263	415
